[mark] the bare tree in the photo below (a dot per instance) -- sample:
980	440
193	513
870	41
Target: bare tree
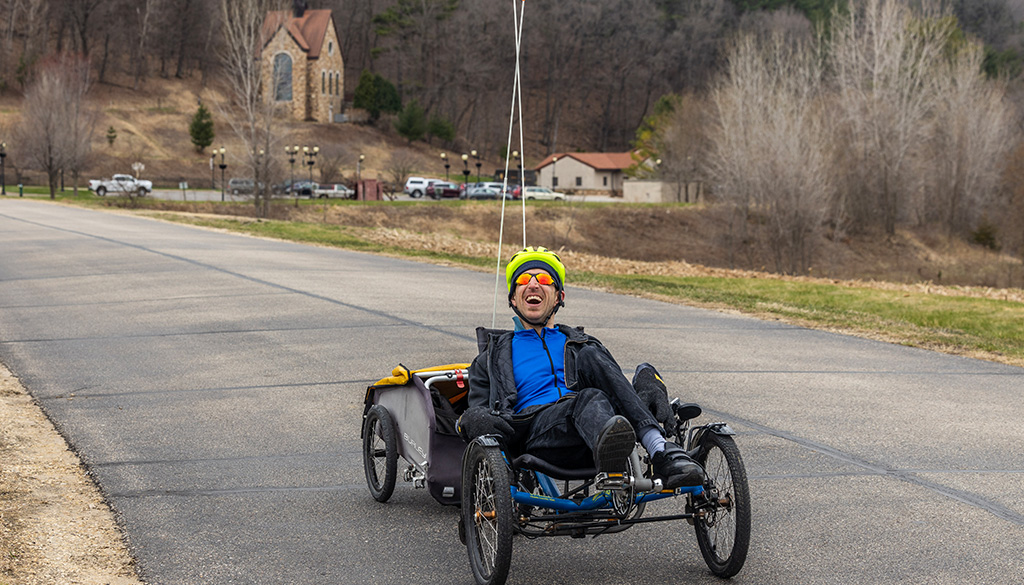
253	111
971	142
80	14
682	144
886	65
770	146
56	128
400	165
332	158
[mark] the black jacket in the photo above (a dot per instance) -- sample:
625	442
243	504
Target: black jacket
491	382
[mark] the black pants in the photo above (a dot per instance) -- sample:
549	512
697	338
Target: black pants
565	433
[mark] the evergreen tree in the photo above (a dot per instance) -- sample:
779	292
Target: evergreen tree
366	94
111	135
412	122
441	128
201	129
387	96
375	95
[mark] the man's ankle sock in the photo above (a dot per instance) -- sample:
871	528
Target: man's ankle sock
652	439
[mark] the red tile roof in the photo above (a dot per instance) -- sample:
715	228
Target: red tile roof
601	161
308	31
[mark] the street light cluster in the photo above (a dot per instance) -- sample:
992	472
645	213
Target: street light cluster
465	165
309	156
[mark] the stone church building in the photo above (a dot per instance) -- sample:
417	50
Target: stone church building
302	62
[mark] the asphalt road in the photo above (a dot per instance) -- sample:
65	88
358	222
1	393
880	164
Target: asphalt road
213	383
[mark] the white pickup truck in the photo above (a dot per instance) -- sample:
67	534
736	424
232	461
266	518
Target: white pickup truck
121	184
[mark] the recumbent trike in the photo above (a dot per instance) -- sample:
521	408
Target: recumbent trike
412	414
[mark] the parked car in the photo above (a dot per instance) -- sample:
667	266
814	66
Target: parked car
488	185
481	192
242	186
441	189
302	189
540	193
416	187
325	190
121	184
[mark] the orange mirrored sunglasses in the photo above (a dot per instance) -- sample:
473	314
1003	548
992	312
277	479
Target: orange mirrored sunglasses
542	278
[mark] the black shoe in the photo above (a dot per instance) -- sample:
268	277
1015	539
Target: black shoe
614	445
652	392
675	469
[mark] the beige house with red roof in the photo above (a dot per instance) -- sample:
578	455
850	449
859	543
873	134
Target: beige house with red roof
585	171
302	62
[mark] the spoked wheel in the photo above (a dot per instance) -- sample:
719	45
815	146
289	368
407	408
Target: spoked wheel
624	500
380	453
723	531
487	513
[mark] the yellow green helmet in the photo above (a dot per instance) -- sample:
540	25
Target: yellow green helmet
534	257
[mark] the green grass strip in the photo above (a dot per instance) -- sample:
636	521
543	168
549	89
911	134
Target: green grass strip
919	319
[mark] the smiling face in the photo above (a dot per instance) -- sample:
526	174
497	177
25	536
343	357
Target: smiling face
535	300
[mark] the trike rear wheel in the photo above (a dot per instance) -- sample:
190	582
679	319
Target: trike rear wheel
380	453
487	513
723	520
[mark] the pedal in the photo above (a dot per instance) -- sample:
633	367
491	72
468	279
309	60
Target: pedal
611	481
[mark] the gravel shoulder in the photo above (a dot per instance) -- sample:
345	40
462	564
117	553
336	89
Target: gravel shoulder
54	525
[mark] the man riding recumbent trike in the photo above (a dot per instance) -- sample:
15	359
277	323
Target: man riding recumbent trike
553	427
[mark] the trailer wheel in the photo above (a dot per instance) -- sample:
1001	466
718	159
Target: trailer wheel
380	453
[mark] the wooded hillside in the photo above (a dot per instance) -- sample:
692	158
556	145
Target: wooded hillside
592	69
809	119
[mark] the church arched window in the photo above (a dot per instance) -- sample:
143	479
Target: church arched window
283	77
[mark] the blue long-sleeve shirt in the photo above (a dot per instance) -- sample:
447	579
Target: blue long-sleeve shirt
538	365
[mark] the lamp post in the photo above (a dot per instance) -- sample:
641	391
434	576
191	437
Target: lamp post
359	168
519	169
3	168
554	173
309	154
292	152
447	165
308	158
223	166
465	170
476	155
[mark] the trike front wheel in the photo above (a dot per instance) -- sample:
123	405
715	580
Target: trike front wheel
487	513
722	521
